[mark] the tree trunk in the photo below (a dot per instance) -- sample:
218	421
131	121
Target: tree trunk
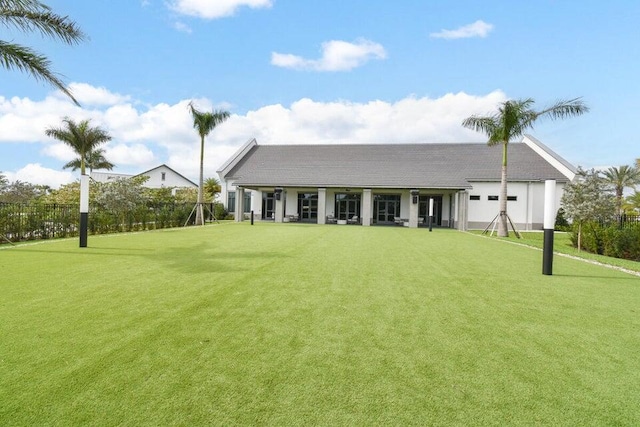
579	236
199	211
503	229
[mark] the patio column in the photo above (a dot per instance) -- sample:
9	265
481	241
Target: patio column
239	213
322	205
414	205
366	207
279	196
463	197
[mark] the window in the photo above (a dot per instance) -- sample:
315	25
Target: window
495	198
231	201
247	202
474	197
163	175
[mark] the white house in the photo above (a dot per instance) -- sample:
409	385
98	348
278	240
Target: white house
159	177
384	184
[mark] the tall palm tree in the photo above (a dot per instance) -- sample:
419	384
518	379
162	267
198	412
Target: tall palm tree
81	137
513	118
95	160
34	16
204	122
620	178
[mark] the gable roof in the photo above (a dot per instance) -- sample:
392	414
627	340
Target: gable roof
445	166
172	170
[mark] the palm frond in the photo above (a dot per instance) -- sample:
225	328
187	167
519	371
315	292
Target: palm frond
46	22
15	56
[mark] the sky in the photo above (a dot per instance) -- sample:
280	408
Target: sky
330	71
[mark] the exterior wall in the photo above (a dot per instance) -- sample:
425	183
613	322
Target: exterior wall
108	176
526	212
171	179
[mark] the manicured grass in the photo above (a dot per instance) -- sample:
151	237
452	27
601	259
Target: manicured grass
293	324
562	244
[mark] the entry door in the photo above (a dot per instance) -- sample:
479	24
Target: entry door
437	209
387	211
308	207
268	206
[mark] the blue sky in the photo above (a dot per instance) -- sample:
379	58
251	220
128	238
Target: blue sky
326	71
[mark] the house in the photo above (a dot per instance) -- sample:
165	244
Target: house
380	184
159	177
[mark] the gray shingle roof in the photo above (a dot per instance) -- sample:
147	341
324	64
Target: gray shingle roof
387	166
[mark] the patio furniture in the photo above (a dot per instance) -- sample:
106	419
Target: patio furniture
331	219
354	220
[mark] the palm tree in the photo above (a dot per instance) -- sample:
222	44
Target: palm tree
95	160
204	123
81	137
620	178
212	187
513	118
34	16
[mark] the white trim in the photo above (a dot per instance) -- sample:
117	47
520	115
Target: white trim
566	168
236	157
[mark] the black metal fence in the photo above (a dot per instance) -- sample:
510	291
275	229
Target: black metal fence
19	221
628	221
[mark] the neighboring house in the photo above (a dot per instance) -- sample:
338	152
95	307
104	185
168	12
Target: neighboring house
391	183
159	177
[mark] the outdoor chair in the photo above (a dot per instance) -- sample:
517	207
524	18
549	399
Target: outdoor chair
331	219
353	220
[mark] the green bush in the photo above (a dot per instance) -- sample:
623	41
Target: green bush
610	240
622	243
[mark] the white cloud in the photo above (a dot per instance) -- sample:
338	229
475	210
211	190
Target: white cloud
477	29
34	173
138	155
91	95
212	9
182	27
146	136
337	55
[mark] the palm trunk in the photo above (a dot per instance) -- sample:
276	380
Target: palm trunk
503	229
199	211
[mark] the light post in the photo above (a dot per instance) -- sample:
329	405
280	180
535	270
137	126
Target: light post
549	225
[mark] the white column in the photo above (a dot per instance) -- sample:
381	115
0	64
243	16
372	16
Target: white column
322	205
414	205
239	213
366	207
279	213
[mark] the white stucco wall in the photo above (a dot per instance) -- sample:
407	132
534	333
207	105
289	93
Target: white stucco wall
526	212
171	179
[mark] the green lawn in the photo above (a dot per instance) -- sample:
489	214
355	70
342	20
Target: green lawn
293	324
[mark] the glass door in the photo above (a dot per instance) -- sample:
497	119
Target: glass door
268	206
308	207
386	208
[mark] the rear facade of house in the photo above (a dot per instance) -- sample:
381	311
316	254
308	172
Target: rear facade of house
391	184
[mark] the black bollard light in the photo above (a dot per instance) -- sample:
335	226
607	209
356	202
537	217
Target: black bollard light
549	225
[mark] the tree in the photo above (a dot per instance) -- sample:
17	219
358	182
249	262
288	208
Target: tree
620	178
30	16
204	123
587	198
22	192
122	196
4	182
212	188
81	137
95	160
511	121
632	202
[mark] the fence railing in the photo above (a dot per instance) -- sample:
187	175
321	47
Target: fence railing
20	221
